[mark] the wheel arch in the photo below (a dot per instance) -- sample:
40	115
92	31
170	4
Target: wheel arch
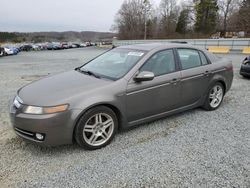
223	84
114	108
220	79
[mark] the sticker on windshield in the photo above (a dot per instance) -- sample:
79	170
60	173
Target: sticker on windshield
136	53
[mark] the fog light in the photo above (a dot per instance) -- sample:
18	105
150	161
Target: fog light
39	136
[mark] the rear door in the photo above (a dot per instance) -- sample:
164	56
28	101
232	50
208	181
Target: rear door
195	75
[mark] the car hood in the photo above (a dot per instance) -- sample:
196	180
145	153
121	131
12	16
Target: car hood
59	89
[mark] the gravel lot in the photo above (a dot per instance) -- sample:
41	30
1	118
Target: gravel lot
192	149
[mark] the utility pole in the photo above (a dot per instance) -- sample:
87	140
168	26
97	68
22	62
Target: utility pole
145	18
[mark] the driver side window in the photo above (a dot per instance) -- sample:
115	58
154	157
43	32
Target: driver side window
162	62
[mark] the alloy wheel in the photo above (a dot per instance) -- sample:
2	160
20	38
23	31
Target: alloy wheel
216	96
98	129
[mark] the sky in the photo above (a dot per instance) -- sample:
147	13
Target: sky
58	15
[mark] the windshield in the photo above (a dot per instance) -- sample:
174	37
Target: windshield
114	64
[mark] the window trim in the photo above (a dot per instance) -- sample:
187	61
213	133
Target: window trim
208	61
177	68
198	51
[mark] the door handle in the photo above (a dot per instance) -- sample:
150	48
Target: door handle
206	73
174	81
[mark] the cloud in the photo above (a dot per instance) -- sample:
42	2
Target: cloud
58	15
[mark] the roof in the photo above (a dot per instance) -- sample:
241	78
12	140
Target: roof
151	46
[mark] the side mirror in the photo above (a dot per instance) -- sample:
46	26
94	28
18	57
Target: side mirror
144	76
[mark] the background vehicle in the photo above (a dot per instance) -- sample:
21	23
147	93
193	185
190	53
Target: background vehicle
83	45
26	47
87	43
245	67
121	88
14	49
35	47
54	46
76	45
64	46
1	51
9	51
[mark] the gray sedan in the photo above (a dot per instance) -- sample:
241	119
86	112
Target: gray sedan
123	87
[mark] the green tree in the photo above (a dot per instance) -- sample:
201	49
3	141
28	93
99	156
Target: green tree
7	37
206	12
183	21
244	17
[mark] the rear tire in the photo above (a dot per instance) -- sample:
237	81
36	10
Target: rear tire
96	128
214	97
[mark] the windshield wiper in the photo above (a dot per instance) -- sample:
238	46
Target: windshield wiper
87	72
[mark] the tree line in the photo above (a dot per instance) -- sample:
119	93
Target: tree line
141	19
39	37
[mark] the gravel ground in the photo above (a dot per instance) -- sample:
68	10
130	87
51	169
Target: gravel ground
192	149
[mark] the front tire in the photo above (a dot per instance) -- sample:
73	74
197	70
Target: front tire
214	97
96	128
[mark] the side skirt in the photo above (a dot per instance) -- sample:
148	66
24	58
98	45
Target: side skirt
164	114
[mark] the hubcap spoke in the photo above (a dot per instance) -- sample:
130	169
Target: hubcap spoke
211	96
88	128
216	96
108	123
93	138
98	118
213	102
104	135
98	129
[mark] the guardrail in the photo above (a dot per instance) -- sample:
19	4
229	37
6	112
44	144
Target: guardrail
232	44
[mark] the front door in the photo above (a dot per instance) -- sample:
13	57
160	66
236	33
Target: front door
145	99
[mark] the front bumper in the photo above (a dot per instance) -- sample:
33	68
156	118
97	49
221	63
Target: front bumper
245	70
56	128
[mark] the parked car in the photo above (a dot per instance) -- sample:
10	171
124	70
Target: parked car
64	46
1	52
54	46
35	47
76	45
83	45
123	87
245	67
43	46
9	51
73	46
50	46
14	49
88	44
26	47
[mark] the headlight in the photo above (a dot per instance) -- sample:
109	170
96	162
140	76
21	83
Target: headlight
45	110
